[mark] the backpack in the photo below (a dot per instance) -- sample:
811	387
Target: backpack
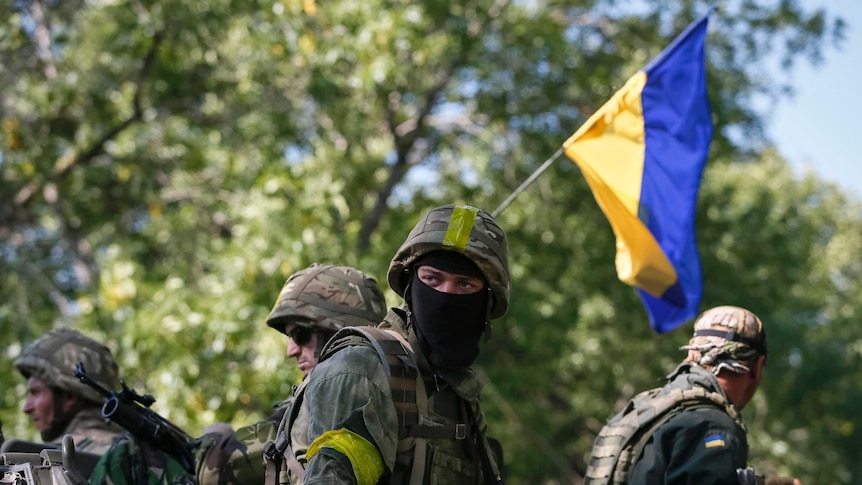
621	441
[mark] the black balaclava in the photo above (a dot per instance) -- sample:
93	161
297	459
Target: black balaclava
449	326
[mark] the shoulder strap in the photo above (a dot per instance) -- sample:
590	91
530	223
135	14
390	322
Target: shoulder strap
276	451
490	469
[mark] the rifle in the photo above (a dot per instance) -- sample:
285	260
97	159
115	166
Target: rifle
131	411
747	476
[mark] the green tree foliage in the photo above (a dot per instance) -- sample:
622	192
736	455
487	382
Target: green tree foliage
166	164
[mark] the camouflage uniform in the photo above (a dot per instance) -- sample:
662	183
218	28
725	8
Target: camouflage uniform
323	298
701	441
237	457
52	358
346	429
130	462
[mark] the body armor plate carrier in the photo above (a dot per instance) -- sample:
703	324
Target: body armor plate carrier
621	441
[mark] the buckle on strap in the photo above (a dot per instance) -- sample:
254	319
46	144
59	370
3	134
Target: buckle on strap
457	431
270	451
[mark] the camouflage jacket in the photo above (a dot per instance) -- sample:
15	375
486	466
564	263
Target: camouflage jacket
92	433
703	445
349	388
130	462
220	458
237	458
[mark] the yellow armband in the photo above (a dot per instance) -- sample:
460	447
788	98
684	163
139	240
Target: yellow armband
364	457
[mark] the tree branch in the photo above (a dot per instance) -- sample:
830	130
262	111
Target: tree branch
53	292
65	164
405	135
96	148
42	33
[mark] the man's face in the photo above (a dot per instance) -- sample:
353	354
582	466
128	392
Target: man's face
40	403
302	346
446	282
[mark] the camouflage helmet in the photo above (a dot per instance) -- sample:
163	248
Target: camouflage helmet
52	358
467	230
327	297
726	337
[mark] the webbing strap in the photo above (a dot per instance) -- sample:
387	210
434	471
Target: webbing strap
275	451
274	473
420	446
292	462
458	431
420	449
490	470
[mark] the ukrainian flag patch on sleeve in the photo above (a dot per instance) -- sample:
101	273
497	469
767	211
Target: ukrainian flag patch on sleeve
713	441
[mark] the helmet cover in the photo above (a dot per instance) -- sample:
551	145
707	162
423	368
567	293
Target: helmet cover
53	356
467	230
326	297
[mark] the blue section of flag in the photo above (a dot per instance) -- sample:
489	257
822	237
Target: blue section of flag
678	132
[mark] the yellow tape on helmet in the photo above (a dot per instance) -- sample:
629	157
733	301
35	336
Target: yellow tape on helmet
460	226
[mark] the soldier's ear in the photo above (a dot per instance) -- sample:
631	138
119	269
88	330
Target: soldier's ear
71	401
757	368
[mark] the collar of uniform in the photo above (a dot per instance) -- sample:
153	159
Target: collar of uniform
689	373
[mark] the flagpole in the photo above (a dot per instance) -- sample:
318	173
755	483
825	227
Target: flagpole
527	182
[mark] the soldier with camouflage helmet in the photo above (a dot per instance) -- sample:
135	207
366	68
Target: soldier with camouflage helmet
313	304
57	402
354	424
690	430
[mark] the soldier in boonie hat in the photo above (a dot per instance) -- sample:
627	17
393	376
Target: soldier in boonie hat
726	337
690	428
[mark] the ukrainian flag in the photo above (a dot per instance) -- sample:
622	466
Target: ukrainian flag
643	154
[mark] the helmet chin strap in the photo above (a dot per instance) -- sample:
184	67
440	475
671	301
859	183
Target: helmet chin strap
408	299
490	305
322	338
61	419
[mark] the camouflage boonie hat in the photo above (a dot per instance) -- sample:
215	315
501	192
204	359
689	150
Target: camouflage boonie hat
328	297
52	358
468	230
726	337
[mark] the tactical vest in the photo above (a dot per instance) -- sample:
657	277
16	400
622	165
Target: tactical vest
432	446
621	441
